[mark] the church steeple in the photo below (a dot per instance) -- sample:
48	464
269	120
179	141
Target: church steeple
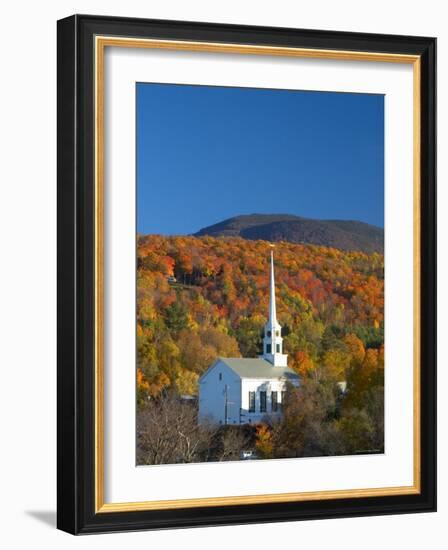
272	308
273	341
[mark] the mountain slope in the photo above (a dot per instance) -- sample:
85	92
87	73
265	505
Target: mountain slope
342	234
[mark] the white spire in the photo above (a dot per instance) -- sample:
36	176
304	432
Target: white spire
273	341
272	308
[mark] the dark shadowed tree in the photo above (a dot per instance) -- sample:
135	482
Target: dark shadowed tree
307	427
168	432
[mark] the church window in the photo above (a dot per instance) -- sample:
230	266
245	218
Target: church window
251	401
277	333
268	348
274	401
283	398
269	333
263	401
220	375
277	347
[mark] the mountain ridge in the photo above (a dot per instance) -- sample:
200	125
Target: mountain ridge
342	234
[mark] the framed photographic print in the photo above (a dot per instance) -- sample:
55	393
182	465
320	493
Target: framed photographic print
246	274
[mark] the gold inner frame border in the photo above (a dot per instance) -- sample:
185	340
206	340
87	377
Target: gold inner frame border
100	44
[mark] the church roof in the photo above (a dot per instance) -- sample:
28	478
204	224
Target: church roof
258	368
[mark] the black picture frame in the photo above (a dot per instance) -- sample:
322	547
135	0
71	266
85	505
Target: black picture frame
76	256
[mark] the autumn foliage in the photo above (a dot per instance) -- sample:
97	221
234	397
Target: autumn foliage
202	297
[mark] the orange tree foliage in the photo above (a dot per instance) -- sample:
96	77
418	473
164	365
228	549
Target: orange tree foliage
201	298
263	442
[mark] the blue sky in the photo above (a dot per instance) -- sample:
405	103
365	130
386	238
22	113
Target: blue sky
207	153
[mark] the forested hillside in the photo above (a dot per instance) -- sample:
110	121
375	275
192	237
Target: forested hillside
203	297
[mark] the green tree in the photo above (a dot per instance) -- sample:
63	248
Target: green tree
249	333
176	316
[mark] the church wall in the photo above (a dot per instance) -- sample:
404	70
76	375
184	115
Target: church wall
212	396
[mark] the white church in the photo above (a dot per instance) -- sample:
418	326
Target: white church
246	390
